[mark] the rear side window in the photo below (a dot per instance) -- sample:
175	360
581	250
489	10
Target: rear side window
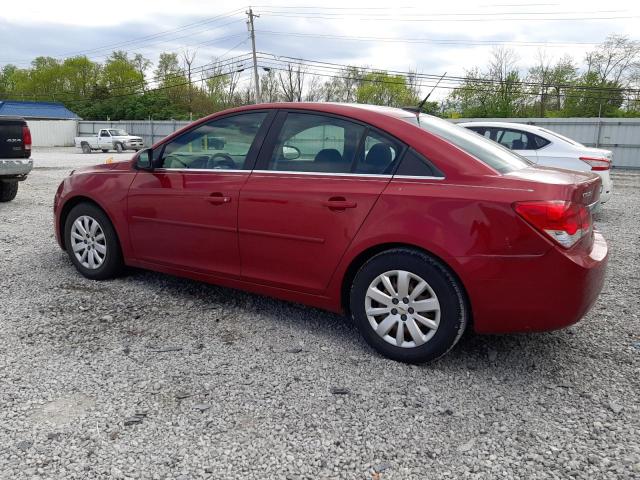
513	139
316	143
497	157
378	154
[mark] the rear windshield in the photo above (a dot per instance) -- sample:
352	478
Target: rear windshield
493	154
561	137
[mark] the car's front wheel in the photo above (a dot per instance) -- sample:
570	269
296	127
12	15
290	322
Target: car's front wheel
408	305
92	243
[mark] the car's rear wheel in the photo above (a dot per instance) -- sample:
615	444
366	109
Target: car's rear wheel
92	243
8	190
119	148
86	148
408	306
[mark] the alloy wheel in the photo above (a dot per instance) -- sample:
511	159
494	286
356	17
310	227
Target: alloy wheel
402	308
88	242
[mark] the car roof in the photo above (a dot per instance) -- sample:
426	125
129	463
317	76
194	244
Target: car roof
519	126
355	110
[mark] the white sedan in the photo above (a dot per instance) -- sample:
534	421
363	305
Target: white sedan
545	147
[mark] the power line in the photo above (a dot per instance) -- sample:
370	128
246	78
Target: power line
450	78
359	13
155	35
441	20
440	41
427	85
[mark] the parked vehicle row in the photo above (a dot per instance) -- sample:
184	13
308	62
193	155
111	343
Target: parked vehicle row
109	139
415	227
544	147
15	153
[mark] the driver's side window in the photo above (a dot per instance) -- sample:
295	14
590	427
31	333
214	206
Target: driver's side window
221	144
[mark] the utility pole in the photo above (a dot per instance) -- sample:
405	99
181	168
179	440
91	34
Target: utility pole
252	31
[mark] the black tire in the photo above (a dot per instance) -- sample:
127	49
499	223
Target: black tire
105	150
8	191
112	264
119	148
453	310
85	148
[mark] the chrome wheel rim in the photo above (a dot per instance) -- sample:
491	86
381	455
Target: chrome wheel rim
402	308
88	242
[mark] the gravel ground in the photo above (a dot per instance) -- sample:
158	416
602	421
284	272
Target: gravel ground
151	376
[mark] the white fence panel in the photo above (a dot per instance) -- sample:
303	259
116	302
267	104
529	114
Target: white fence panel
52	133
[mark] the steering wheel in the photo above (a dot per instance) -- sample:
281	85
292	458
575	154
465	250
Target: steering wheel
219	161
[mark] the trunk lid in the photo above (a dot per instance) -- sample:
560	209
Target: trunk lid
11	140
560	203
559	184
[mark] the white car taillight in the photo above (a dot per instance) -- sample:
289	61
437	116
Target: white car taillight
563	222
597	163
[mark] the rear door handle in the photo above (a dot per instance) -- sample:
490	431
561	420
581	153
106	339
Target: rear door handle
217	198
339	203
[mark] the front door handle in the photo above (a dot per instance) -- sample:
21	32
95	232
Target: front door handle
217	198
339	203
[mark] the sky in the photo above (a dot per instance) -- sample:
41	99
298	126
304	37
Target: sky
427	37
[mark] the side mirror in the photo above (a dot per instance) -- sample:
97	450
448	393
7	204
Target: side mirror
289	152
144	159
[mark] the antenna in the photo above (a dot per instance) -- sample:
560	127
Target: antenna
427	97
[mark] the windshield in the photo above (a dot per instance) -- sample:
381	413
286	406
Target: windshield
118	133
493	154
561	137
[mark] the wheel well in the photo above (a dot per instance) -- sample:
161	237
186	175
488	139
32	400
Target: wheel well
84	143
364	256
72	202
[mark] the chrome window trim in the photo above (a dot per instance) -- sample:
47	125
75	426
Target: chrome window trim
417	177
324	174
210	170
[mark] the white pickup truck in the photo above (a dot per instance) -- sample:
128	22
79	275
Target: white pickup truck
109	139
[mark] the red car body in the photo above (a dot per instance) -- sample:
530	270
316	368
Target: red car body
281	235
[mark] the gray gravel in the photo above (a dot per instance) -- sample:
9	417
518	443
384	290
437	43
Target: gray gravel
151	376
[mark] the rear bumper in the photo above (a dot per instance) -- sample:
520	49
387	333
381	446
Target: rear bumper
15	167
532	294
607	186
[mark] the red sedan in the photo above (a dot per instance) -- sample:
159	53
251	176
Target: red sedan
413	226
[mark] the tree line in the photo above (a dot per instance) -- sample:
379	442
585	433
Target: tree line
126	87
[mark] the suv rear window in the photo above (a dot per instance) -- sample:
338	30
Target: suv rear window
491	153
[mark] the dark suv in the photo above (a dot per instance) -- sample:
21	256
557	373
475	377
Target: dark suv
15	150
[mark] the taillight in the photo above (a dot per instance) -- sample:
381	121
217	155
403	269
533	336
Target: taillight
26	137
563	222
597	163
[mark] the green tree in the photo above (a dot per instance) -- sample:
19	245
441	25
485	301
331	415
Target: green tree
381	88
593	97
120	74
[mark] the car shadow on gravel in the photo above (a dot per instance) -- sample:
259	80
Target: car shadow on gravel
141	301
523	351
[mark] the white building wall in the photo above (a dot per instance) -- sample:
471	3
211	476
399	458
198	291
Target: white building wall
52	133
